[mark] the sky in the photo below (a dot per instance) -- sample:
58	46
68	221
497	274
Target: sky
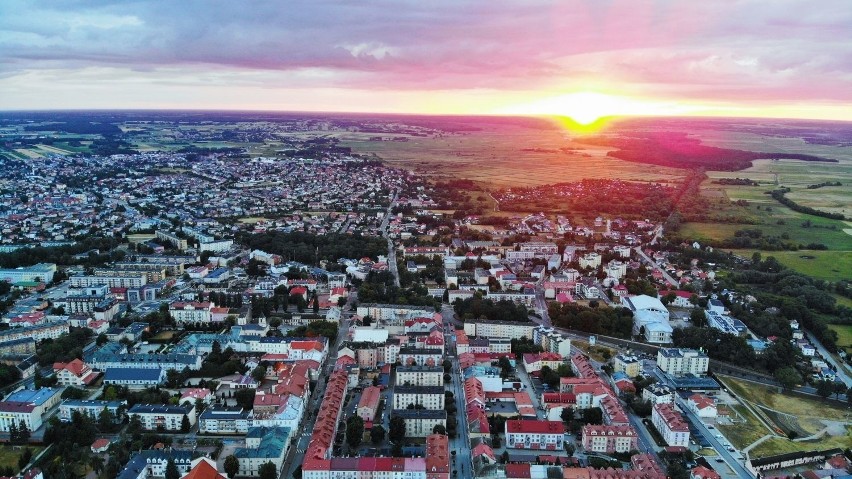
774	58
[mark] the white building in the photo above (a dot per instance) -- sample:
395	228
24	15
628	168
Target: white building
678	362
547	435
430	397
650	318
420	375
170	418
499	329
191	312
670	425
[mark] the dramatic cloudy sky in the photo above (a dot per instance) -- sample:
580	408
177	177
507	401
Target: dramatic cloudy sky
774	57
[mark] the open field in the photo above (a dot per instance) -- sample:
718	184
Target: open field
825	265
9	454
506	156
250	220
844	335
780	445
742	434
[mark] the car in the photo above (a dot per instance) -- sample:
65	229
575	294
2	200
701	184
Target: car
720	459
710	427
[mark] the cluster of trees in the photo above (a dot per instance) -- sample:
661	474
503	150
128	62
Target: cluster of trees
778	195
220	363
315	329
616	322
379	287
307	248
64	348
524	345
735	182
824	184
551	377
63	255
478	307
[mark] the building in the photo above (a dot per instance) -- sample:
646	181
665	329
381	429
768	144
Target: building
219	419
37	273
702	406
499	329
420	375
430	397
263	444
658	394
678	362
27	407
191	312
628	364
74	373
421	422
670	425
420	357
134	378
437	457
521	434
157	417
93	409
368	405
609	439
37	333
650	318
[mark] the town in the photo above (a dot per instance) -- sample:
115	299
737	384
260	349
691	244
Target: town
208	315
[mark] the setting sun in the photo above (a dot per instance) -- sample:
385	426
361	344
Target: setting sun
586	108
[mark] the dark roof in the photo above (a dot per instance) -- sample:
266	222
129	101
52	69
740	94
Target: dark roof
126	374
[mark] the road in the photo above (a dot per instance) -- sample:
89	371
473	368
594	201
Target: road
462	460
296	454
392	267
654	265
827	357
733	462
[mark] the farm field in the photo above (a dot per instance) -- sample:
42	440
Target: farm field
507	156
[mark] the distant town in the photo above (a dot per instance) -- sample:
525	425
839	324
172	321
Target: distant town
319	314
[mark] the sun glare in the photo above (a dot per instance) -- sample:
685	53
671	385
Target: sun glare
588	111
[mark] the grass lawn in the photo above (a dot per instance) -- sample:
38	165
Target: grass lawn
808	412
595	352
9	455
779	445
164	336
707	451
844	335
742	434
252	220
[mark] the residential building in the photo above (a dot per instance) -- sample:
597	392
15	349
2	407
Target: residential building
263	444
42	272
368	405
134	378
421	422
610	439
702	406
499	329
658	394
628	364
534	434
191	312
74	373
678	362
91	408
420	375
430	397
218	419
670	425
156	417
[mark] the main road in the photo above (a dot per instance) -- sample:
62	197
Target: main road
654	265
296	454
391	249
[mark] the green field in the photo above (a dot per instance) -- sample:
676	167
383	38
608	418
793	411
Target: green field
844	335
825	265
9	455
780	445
742	434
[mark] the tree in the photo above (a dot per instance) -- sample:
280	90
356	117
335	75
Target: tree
258	373
172	470
849	395
268	471
106	420
232	466
839	388
377	434
397	429
697	317
184	424
788	377
354	431
245	398
23	433
439	429
297	472
567	415
825	388
13	432
25	457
